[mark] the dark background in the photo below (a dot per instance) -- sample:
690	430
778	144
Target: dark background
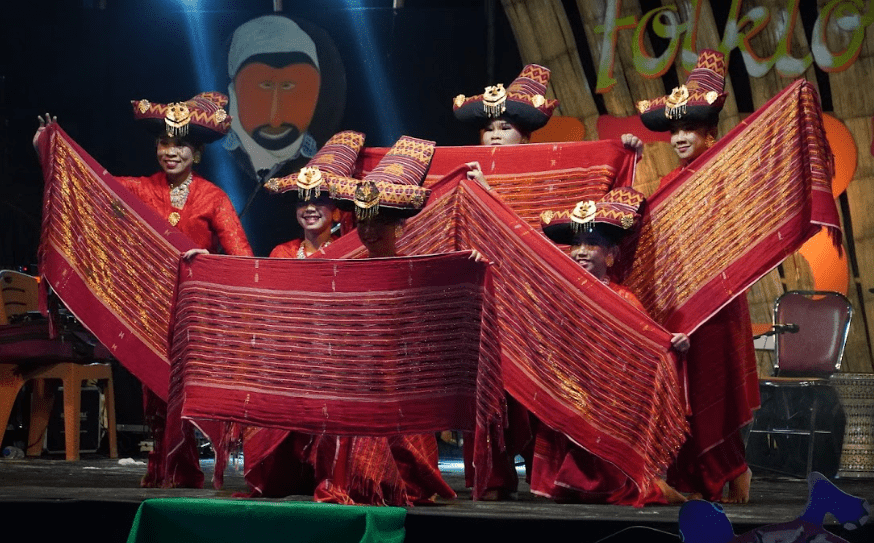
84	63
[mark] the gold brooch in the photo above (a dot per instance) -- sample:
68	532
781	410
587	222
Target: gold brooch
308	180
144	106
459	100
174	218
221	115
626	221
675	105
495	100
546	216
177	118
711	96
366	200
643	105
538	100
584	211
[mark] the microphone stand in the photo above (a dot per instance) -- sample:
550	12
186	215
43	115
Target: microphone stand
262	180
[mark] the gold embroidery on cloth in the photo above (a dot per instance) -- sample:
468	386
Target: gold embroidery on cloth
82	212
395	169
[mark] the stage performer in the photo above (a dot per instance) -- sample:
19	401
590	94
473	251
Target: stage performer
277	462
721	365
507	117
397	470
203	212
315	210
562	470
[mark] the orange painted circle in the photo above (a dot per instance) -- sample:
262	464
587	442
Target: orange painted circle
844	148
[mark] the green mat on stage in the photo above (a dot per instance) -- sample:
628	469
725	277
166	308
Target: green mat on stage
234	521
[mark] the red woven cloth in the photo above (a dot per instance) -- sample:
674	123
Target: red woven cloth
378	347
576	354
110	258
535	177
741	208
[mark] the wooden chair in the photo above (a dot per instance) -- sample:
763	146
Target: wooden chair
28	353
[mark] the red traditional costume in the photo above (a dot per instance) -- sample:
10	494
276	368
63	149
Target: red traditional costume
721	374
396	470
524	105
561	469
292	249
279	462
208	217
203	212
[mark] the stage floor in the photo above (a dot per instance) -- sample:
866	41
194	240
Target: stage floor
101	496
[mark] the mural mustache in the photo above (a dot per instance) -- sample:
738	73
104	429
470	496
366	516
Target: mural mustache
275	137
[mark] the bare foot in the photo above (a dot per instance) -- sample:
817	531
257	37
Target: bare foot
739	488
670	493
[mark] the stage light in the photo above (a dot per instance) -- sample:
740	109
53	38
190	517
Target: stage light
200	38
382	97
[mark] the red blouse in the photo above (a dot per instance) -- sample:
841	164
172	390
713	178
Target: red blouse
208	217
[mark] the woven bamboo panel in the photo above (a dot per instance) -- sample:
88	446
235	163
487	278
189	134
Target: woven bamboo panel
630	86
766	42
708	38
544	37
852	97
852	89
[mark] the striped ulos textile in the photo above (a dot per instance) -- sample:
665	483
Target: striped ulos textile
375	347
749	202
534	177
110	259
583	360
571	351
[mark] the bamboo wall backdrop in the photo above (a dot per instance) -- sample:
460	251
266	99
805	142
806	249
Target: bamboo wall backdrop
561	35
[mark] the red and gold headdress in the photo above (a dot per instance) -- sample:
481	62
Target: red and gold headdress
202	119
523	103
335	160
615	215
699	101
393	186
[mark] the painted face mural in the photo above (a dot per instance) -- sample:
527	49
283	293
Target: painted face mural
276	105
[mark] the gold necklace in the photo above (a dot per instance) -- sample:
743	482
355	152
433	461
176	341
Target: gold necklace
301	251
178	197
179	193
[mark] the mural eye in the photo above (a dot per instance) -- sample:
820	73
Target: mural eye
287	85
266	85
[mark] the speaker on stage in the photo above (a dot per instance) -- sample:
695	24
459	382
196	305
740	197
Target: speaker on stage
89	422
786	425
